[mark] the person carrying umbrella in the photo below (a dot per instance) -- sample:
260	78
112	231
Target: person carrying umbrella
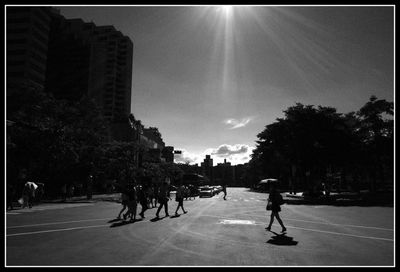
275	201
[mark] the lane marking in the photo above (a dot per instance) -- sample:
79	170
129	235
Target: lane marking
344	225
324	223
344	234
55	223
322	231
237	222
56	230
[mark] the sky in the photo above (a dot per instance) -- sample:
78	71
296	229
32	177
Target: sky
210	78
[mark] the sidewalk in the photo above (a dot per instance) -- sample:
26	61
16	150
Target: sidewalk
344	198
95	198
115	197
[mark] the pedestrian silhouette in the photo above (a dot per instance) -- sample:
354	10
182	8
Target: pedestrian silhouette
132	202
163	198
275	201
124	202
179	198
142	197
224	190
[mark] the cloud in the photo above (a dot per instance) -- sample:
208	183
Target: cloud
227	150
235	154
235	123
186	157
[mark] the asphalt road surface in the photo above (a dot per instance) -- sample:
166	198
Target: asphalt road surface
214	232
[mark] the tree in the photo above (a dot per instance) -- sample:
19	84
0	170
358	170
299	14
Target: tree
313	139
376	132
50	137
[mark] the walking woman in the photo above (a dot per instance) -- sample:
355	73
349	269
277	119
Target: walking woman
275	201
179	198
132	202
142	197
124	202
163	197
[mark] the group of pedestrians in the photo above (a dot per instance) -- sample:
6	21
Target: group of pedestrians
130	197
135	194
148	196
28	195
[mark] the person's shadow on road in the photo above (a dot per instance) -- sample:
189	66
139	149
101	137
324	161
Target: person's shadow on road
155	219
123	222
114	220
282	240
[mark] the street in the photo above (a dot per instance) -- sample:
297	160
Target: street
214	232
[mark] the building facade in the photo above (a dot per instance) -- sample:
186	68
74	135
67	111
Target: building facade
207	167
94	61
27	36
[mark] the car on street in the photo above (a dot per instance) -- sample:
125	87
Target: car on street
217	190
206	191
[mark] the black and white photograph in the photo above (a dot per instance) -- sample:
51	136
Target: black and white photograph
211	136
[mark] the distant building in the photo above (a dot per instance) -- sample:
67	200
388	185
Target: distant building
224	173
27	35
238	171
207	167
153	136
168	154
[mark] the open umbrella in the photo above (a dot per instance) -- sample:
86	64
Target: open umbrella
267	181
32	183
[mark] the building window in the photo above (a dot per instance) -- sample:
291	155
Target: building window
16	52
18	20
17	30
16	41
15	62
15	74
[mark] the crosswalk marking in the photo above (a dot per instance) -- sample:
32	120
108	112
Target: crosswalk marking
48	207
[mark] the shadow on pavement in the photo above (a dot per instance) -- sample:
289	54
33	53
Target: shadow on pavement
122	223
115	220
175	216
282	240
155	219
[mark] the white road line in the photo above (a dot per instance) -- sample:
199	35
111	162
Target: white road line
322	231
56	230
56	223
324	223
343	225
344	234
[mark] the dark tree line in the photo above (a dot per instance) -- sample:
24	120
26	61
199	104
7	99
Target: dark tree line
311	145
59	142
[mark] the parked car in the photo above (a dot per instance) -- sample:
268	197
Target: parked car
194	191
216	190
219	188
206	191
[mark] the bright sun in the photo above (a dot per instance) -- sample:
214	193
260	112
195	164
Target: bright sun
226	10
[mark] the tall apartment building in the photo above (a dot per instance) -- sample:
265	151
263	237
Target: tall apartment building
168	153
27	35
85	59
224	173
207	167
